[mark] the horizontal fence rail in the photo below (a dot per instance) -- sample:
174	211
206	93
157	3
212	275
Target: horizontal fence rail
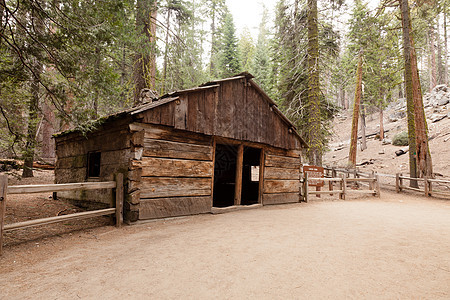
428	186
42	188
373	184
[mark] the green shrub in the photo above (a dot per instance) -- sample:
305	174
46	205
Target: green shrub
401	139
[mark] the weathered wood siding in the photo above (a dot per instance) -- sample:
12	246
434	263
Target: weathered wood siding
235	109
176	175
281	177
72	154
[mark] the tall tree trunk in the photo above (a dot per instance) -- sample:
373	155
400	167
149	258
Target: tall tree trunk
315	122
381	123
445	48
97	74
420	158
363	128
33	103
123	73
404	7
358	92
212	68
440	71
166	48
433	76
423	156
144	62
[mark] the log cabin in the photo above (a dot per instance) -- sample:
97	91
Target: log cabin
222	144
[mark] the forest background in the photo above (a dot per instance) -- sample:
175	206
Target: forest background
65	63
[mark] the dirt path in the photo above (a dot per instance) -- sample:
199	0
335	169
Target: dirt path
395	247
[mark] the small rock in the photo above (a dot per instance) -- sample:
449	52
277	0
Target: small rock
381	151
436	117
386	141
401	152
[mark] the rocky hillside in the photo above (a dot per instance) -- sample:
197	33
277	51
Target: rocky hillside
381	156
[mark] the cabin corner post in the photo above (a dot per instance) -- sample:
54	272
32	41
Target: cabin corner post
261	176
3	188
119	199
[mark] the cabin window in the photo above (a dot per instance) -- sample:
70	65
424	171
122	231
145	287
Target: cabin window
93	169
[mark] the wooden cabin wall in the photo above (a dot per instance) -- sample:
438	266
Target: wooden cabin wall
281	176
177	172
71	164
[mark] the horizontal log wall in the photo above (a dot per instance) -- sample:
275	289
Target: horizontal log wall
71	165
281	177
177	170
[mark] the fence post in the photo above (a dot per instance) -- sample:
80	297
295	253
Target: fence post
372	183
305	190
430	188
3	188
119	199
344	186
426	187
377	186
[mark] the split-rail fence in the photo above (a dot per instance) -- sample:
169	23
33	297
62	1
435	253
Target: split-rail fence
117	185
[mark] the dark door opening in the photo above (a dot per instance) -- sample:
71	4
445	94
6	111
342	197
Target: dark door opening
224	175
250	176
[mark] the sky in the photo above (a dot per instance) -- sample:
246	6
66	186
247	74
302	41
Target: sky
249	13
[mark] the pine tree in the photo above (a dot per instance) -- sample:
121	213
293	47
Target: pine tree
246	49
261	60
229	63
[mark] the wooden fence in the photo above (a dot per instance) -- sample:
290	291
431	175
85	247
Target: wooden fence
428	188
26	189
372	183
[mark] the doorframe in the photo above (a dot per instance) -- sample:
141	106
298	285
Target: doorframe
239	167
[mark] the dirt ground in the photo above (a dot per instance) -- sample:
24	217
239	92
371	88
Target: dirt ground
382	157
25	207
396	246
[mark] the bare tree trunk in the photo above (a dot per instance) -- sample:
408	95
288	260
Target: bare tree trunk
446	47
212	68
166	48
381	123
97	74
423	156
315	121
363	128
144	62
33	104
404	7
440	71
419	156
433	76
358	92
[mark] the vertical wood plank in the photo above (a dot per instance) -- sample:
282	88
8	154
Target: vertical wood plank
238	181
3	188
427	193
214	143
261	176
119	199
